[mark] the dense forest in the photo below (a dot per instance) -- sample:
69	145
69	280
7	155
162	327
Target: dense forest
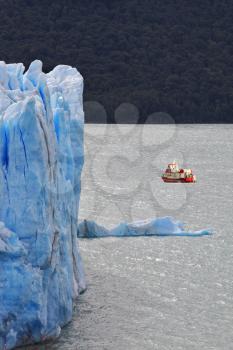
172	56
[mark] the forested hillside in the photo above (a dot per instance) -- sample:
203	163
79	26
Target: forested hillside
174	56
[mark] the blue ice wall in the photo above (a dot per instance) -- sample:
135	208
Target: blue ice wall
41	158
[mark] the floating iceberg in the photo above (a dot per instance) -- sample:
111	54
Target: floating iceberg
166	226
41	158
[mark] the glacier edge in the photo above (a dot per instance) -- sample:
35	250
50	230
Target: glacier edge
41	270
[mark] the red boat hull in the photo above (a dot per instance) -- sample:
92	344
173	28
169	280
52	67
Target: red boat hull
187	180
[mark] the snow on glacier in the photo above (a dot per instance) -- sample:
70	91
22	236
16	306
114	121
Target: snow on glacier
41	158
166	226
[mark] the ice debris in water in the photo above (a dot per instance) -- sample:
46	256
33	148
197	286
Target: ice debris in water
166	226
41	158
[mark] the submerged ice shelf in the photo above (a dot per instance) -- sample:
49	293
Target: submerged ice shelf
41	158
166	226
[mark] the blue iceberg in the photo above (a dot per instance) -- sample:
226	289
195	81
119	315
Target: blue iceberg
166	226
41	158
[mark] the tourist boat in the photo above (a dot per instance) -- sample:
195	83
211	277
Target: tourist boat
174	174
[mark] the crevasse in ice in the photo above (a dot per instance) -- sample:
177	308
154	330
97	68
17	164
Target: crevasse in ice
41	158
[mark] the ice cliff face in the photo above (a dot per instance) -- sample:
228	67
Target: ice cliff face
41	158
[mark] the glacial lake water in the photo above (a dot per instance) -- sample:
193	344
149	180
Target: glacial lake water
153	293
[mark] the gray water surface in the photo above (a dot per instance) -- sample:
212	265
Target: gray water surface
156	293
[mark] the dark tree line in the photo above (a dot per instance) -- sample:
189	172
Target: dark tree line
172	56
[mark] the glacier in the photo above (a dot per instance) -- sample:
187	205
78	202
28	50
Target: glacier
166	226
41	159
